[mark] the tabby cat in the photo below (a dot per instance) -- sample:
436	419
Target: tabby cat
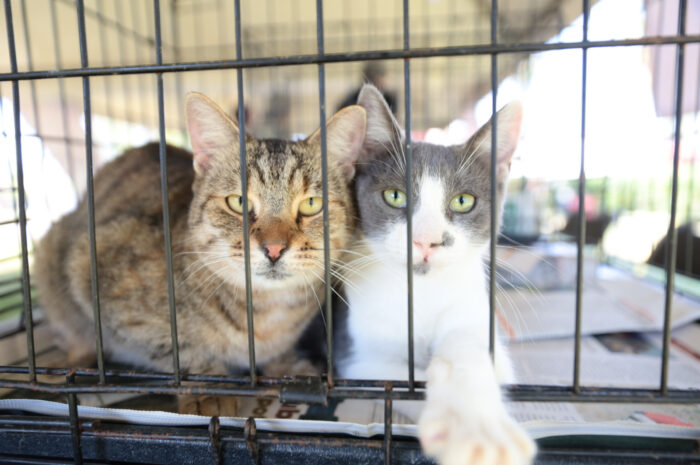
286	248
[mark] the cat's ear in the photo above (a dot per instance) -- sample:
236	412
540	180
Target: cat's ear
508	122
210	129
383	131
345	132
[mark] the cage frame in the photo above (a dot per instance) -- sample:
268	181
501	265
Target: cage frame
326	387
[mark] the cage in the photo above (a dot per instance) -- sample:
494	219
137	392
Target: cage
602	217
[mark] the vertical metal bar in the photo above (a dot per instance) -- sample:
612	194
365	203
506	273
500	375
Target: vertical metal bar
244	189
26	288
388	420
324	180
87	109
494	191
62	94
671	244
74	423
581	208
409	196
164	193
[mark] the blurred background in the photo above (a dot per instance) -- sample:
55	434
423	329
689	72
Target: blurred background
629	139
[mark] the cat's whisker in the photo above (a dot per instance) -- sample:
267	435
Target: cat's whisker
523	249
528	284
320	308
213	292
332	290
514	307
520	320
203	266
314	291
214	274
200	260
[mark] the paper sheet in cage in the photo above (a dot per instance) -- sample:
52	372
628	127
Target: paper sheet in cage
541	420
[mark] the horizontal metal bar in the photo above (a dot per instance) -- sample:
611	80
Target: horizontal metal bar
244	390
364	389
293	60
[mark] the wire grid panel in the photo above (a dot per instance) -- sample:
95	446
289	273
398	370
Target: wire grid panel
177	69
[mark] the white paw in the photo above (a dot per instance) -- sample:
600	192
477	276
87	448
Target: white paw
473	438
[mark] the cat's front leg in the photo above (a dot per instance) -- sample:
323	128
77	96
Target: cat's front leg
465	420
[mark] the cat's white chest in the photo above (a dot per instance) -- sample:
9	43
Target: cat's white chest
378	316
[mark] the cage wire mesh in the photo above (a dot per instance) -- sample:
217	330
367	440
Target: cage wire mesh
85	79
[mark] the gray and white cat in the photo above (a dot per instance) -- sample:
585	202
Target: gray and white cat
464	419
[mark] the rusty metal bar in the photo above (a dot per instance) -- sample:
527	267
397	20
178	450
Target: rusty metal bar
409	195
388	420
244	190
672	234
26	285
314	59
494	181
74	422
164	194
324	182
90	191
581	209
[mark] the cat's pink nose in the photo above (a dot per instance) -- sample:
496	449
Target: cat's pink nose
426	248
273	251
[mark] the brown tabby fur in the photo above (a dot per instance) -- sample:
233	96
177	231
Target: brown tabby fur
207	253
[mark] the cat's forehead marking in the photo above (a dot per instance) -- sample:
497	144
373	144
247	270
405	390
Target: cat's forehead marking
429	214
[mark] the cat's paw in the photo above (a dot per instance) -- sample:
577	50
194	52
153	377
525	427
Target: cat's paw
479	438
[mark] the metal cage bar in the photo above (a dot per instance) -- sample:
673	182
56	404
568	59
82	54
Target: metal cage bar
244	190
671	243
409	195
494	190
388	414
74	422
87	108
576	382
164	193
26	286
324	186
482	49
338	389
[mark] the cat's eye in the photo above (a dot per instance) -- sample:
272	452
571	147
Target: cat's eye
395	198
310	206
235	203
462	203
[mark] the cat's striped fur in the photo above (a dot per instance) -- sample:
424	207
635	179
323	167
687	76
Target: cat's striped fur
207	239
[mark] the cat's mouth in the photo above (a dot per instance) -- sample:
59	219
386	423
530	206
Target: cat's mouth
274	274
421	268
